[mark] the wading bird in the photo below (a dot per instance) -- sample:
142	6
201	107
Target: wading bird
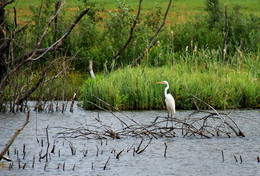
169	100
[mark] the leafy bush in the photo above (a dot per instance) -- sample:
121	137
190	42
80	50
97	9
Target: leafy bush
206	31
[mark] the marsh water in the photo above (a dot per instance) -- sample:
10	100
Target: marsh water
184	156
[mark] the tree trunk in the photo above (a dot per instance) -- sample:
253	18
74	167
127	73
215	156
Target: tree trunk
2	39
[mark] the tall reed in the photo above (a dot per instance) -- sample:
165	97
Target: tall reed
223	85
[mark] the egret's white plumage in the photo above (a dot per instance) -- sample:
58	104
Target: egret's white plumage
169	100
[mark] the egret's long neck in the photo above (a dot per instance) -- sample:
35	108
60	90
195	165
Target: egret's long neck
166	88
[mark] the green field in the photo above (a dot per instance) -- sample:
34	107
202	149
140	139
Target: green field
180	11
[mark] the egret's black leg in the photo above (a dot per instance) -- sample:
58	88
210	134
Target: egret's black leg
172	119
168	116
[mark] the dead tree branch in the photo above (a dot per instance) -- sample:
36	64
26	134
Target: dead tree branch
4	4
131	32
155	35
42	52
10	142
205	124
224	49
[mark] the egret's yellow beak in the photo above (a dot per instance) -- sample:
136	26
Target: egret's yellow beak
159	83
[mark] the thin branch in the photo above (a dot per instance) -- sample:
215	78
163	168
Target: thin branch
155	35
222	118
46	30
3	5
224	49
10	142
35	86
131	32
42	51
204	124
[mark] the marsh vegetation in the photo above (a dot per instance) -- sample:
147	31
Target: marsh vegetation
204	48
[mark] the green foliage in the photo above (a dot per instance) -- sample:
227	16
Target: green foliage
191	49
98	39
215	12
152	20
206	32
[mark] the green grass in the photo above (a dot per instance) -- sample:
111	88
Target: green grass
180	11
223	86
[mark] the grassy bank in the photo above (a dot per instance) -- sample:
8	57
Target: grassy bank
223	85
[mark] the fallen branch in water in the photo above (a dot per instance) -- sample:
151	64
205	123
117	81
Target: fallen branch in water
10	142
205	124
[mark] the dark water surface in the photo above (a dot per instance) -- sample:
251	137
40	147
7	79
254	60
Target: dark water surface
184	156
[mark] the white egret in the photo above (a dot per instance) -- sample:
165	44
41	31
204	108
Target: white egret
169	100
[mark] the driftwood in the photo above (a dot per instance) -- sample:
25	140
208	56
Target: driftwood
200	123
10	142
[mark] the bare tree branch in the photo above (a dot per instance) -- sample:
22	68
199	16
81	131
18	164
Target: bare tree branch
131	32
224	47
57	44
4	4
57	12
155	35
204	124
10	142
35	86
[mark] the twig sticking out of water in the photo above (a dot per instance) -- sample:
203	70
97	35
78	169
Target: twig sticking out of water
63	167
17	154
223	159
97	151
85	152
138	148
63	108
117	155
24	152
58	167
138	151
130	148
48	144
53	147
72	149
92	166
10	166
72	102
24	165
105	166
235	158
19	163
165	150
33	161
